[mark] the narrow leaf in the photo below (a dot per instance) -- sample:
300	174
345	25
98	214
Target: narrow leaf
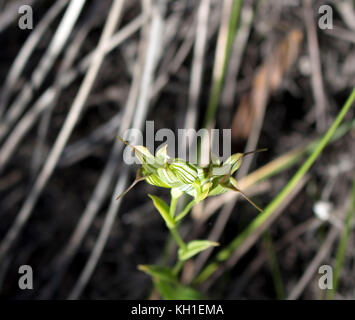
163	209
159	273
195	247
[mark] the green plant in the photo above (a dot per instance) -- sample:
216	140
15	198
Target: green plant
198	182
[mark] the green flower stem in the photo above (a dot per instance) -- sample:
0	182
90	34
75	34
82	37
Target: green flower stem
173	204
174	231
186	210
178	266
178	238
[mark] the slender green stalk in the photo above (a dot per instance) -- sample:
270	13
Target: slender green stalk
257	222
186	210
223	51
173	204
221	62
178	266
340	255
178	238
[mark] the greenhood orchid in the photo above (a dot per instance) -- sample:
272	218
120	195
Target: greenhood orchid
184	177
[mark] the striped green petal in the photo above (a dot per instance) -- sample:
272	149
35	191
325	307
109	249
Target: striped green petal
233	163
156	181
184	171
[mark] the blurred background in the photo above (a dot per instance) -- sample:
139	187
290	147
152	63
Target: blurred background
81	72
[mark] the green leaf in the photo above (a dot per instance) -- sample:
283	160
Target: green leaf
163	209
195	247
159	273
171	291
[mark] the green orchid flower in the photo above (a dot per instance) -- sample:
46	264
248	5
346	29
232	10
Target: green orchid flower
184	177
